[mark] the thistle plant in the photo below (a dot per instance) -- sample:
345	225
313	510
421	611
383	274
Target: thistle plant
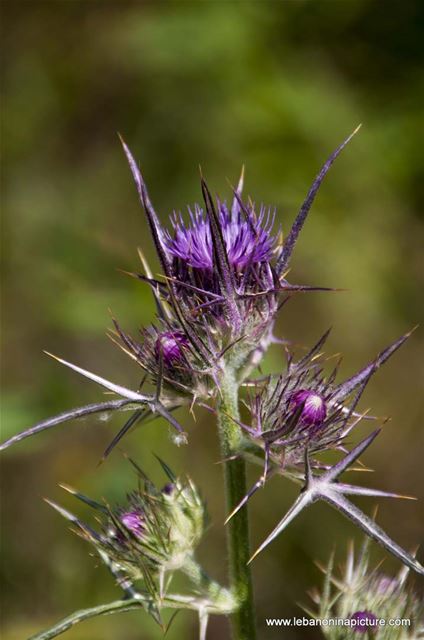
224	279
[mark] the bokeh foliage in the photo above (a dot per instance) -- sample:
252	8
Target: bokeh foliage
276	86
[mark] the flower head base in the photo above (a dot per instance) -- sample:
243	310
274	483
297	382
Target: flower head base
356	598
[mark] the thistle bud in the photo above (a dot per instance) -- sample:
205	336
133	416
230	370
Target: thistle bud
306	409
170	360
156	531
170	346
168	488
312	405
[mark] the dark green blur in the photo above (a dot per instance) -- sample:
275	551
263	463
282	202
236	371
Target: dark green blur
272	85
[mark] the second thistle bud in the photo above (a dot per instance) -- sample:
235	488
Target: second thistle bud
155	531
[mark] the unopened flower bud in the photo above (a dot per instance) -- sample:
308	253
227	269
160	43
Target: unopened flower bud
314	410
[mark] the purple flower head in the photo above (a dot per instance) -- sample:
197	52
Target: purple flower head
312	405
225	241
170	344
224	270
221	267
133	521
363	621
246	241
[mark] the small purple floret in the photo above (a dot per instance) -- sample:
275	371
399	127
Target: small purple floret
247	241
133	521
314	409
170	344
364	620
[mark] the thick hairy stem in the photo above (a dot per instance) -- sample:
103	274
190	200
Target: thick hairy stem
243	620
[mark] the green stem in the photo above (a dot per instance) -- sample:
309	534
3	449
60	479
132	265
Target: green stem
85	614
172	601
243	620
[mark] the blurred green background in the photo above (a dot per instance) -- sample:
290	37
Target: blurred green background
273	85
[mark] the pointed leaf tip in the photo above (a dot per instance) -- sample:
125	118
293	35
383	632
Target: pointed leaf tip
345	388
152	218
73	414
299	221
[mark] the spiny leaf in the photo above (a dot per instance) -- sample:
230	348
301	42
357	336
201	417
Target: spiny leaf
72	414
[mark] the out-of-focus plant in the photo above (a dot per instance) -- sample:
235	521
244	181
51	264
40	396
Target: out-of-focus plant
365	601
224	279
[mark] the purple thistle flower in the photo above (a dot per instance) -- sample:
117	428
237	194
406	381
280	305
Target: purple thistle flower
246	241
363	621
133	521
222	282
166	356
287	444
225	241
313	407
